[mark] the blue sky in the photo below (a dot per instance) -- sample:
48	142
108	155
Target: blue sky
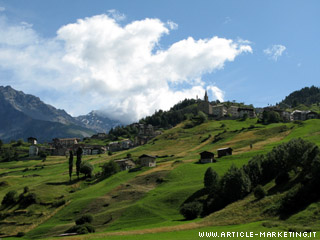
129	58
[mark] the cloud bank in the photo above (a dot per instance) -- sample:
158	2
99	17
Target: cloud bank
96	63
275	51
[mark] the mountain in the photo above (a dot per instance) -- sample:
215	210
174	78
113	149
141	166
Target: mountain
24	115
96	121
33	106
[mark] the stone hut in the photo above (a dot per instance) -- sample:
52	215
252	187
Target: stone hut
147	160
125	164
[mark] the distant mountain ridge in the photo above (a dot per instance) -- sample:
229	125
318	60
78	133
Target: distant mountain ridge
24	115
97	122
33	106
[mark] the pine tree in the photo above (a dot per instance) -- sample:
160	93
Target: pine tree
70	163
78	163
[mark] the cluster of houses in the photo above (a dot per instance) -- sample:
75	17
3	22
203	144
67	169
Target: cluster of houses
221	111
146	132
62	146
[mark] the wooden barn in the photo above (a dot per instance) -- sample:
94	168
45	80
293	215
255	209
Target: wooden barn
207	157
224	152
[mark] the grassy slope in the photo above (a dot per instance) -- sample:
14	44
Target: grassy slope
154	205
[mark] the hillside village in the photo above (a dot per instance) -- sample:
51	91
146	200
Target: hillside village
146	132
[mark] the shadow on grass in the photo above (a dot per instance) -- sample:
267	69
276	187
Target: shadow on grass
65	182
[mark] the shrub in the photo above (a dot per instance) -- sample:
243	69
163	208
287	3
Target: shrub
110	168
10	198
25	189
86	168
235	184
84	219
28	200
20	234
59	203
81	229
191	210
259	192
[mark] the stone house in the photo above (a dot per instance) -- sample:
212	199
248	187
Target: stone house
32	140
219	110
125	164
233	111
147	160
312	115
298	115
33	151
246	111
224	152
65	142
126	144
207	157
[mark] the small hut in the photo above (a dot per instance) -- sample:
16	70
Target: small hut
147	160
224	152
207	157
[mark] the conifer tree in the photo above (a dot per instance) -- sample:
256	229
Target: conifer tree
70	163
78	163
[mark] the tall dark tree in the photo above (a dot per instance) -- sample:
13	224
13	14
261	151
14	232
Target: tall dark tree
210	179
70	163
78	163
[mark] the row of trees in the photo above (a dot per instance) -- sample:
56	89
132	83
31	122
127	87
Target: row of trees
297	156
86	168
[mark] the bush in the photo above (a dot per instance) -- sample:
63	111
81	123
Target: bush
235	184
81	229
28	200
191	210
110	168
25	189
86	168
43	156
84	219
10	198
20	234
259	192
59	203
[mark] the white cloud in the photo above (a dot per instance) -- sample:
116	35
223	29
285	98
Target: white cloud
172	25
275	51
2	9
113	13
97	64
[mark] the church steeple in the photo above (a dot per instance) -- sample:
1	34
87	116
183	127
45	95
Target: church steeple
206	97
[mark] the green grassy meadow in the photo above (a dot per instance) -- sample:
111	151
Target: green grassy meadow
145	204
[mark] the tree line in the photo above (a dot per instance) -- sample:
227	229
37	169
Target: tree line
297	161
